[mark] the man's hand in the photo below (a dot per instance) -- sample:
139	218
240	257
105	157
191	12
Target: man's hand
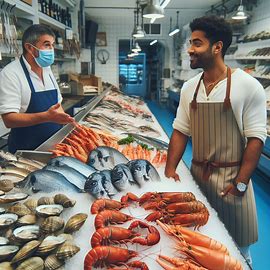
57	115
233	190
172	174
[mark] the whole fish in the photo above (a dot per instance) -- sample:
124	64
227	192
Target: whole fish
34	163
104	157
122	177
107	183
25	166
143	171
7	156
73	176
46	181
13	177
74	163
93	185
14	170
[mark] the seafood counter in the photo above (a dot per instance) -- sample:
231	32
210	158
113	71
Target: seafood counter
101	200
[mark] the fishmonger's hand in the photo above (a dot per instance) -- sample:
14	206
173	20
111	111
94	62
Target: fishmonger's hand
57	115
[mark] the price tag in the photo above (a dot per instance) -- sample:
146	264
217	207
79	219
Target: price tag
69	34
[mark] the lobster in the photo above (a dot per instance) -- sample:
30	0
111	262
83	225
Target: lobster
192	237
107	255
178	263
105	236
132	265
151	239
101	204
105	217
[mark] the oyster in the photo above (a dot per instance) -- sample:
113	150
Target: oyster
6	185
2	210
26	251
6	266
52	262
13	197
34	263
3	241
64	200
27	220
27	233
31	203
49	244
7	219
75	223
52	224
47	210
19	209
6	251
67	250
45	200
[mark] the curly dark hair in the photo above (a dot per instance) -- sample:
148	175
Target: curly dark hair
215	29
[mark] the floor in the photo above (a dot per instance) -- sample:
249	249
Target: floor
260	250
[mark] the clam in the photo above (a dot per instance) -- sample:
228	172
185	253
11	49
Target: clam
2	210
31	203
3	241
26	233
75	223
26	251
2	193
64	200
19	209
7	251
13	197
52	224
6	266
67	250
68	237
7	220
49	244
47	210
27	220
34	263
45	200
6	185
52	262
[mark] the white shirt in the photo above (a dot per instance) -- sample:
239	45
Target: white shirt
247	99
15	92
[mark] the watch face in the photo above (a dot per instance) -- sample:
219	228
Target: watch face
241	187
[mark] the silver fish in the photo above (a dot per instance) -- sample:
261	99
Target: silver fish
93	185
73	176
122	177
13	177
34	163
74	163
7	156
25	166
47	181
143	171
104	157
107	183
14	170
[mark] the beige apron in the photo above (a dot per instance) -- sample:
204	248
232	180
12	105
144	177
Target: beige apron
217	152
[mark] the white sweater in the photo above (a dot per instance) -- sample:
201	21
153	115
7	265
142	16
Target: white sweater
247	99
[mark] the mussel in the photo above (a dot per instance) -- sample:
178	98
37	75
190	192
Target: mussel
75	222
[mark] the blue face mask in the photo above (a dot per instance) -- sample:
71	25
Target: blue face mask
45	58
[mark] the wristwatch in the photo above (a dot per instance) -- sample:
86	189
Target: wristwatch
240	186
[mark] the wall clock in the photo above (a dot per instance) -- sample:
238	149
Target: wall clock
103	56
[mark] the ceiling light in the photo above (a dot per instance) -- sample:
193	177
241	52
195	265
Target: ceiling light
176	29
153	42
153	10
165	3
136	47
240	13
137	31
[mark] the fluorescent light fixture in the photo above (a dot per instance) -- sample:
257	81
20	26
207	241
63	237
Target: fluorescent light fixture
153	42
153	10
176	29
165	3
240	13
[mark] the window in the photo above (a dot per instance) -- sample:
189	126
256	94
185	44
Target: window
152	29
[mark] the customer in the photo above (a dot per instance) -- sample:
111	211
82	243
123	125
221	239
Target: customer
30	101
224	112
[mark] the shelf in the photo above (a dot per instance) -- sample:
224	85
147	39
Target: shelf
51	21
252	57
21	6
64	59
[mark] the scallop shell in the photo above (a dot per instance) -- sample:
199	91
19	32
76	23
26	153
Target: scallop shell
49	244
47	210
67	251
27	233
6	185
7	220
34	263
52	262
19	209
27	220
7	251
52	224
26	251
64	200
6	266
45	200
13	197
3	241
75	223
31	203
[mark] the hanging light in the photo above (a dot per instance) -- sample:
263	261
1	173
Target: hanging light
136	47
153	42
163	5
137	31
176	29
240	13
153	10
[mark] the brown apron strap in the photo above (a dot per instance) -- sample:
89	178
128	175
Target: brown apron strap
208	166
227	102
194	100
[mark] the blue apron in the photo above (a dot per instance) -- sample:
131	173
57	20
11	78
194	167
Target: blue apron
29	138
